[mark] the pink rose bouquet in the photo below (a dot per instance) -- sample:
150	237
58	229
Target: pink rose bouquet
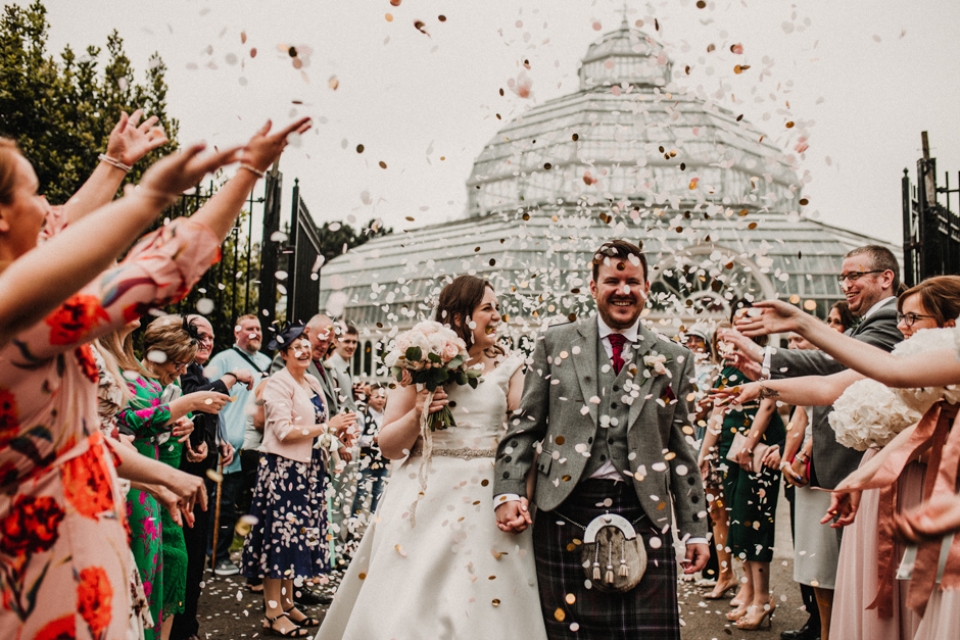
433	355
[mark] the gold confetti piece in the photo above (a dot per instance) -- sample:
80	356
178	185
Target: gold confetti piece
395	3
253	52
804	202
492	578
333	83
389	17
560	440
362	575
360	148
442	18
496	602
789	125
559	615
399	550
571	598
243	37
484	482
419	26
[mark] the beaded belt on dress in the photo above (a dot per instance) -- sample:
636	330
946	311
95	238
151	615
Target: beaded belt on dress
464	452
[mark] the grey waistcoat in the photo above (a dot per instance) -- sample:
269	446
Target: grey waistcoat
611	440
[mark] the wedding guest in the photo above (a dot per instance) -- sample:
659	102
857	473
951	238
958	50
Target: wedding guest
344	484
288	543
156	414
49	376
373	466
238	474
204	440
840	316
751	494
932	303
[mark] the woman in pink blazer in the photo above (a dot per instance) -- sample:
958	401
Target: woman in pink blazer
289	539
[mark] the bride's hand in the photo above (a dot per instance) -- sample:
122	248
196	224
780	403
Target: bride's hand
439	400
513	516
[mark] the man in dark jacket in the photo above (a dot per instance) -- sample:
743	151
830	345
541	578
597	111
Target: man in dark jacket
198	459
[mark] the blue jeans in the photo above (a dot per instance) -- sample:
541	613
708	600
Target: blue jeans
373	477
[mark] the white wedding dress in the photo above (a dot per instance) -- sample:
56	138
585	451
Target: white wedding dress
452	574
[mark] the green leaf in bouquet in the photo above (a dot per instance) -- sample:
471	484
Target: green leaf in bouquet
461	377
474	382
413	354
397	373
434	357
456	362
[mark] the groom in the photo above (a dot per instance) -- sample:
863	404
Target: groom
611	403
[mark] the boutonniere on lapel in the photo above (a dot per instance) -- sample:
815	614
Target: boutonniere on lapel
656	365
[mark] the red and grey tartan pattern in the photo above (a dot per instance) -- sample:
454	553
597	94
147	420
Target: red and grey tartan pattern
649	611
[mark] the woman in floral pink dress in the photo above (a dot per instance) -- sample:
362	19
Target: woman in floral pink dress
63	546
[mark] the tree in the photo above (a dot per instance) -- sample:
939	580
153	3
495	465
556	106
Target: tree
61	111
339	237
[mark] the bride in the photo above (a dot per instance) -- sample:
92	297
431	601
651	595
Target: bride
443	569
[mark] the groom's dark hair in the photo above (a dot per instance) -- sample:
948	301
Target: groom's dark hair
619	249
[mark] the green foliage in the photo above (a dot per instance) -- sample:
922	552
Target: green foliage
339	237
61	112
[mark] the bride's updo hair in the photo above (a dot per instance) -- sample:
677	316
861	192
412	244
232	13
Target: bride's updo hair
457	302
940	297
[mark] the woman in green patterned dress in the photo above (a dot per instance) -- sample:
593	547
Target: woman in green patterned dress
157	417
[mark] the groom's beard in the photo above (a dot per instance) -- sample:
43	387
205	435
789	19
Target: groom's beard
618	322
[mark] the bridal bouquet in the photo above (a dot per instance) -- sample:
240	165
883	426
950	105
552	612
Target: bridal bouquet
433	355
869	414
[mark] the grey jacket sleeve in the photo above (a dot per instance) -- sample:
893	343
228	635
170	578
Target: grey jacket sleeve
686	484
525	428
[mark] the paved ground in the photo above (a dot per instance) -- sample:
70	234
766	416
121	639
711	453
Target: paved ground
230	612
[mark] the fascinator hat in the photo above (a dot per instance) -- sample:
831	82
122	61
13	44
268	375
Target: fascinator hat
283	337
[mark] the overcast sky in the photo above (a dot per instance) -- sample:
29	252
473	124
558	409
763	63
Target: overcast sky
859	79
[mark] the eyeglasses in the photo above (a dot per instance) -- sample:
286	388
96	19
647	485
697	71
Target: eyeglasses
909	318
856	275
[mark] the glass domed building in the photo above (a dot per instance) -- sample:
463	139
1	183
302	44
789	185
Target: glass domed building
717	209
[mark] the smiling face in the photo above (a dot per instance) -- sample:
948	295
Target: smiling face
23	217
320	337
912	307
485	318
835	321
862	288
347	346
620	290
298	355
205	343
248	335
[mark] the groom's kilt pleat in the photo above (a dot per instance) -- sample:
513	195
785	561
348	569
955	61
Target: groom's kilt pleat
649	611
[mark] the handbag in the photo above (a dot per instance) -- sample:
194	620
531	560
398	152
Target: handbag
756	458
610	540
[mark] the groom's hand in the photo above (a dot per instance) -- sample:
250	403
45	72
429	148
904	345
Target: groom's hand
513	516
697	557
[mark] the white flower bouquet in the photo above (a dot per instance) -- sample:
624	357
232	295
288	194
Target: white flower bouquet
869	414
432	355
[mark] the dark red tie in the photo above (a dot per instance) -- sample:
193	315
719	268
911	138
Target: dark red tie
616	342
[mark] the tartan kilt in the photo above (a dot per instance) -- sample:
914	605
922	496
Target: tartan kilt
649	611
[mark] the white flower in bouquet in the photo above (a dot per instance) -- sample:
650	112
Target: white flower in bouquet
433	355
870	414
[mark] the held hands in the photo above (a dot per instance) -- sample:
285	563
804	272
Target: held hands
696	559
513	516
129	142
262	150
208	401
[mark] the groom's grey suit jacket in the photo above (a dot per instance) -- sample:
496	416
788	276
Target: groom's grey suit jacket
556	409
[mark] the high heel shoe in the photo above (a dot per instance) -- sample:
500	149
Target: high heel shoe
737	613
754	617
719	591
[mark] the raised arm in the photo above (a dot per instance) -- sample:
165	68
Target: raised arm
930	369
129	141
67	262
805	390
